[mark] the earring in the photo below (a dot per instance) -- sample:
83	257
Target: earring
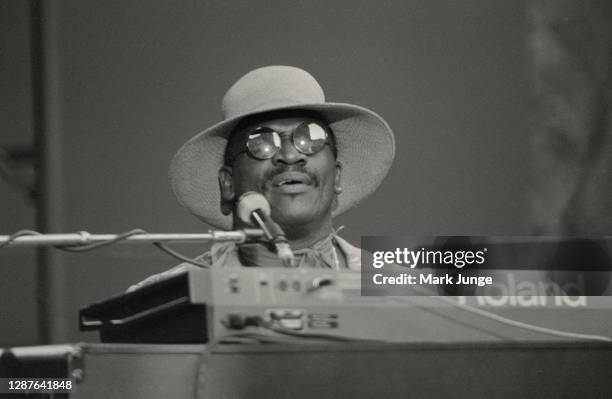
338	190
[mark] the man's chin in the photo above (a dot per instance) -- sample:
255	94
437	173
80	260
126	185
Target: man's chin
292	219
296	210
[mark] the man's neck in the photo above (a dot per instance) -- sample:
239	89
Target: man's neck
305	236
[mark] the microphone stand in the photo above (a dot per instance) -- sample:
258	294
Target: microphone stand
86	238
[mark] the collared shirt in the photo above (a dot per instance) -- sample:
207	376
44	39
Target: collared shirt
320	255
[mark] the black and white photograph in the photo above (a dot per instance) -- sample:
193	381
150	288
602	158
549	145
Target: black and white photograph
305	199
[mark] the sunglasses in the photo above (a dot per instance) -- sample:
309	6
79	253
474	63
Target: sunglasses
308	138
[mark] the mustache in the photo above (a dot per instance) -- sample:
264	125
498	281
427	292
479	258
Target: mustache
277	170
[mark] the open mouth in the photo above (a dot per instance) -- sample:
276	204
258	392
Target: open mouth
288	182
291	179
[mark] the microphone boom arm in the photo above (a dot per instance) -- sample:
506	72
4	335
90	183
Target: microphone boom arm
86	238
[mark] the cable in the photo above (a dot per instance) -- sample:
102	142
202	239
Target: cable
505	320
180	256
254	338
246	338
280	333
326	337
17	234
516	323
520	324
97	245
89	247
123	236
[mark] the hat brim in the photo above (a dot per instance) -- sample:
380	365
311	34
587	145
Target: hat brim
366	148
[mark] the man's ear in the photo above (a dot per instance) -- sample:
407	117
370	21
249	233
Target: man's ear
338	178
337	184
226	188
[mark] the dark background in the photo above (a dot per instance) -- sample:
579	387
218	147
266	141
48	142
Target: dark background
138	78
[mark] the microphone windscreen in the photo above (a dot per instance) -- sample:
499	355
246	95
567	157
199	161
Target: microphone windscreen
249	202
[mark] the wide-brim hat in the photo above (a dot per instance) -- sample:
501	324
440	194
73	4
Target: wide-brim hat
364	140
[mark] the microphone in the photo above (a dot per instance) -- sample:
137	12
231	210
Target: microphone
253	208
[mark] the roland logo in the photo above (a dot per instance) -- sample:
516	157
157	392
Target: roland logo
529	294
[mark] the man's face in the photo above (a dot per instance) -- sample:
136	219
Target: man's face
299	187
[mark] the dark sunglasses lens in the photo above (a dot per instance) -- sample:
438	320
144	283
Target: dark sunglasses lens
309	138
263	144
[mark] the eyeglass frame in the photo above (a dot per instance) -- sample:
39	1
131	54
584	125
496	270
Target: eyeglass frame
230	155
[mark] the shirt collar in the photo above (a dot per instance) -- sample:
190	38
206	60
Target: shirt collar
323	254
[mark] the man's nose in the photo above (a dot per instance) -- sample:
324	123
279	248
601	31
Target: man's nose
288	154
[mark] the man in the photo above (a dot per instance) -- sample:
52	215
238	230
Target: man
311	159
